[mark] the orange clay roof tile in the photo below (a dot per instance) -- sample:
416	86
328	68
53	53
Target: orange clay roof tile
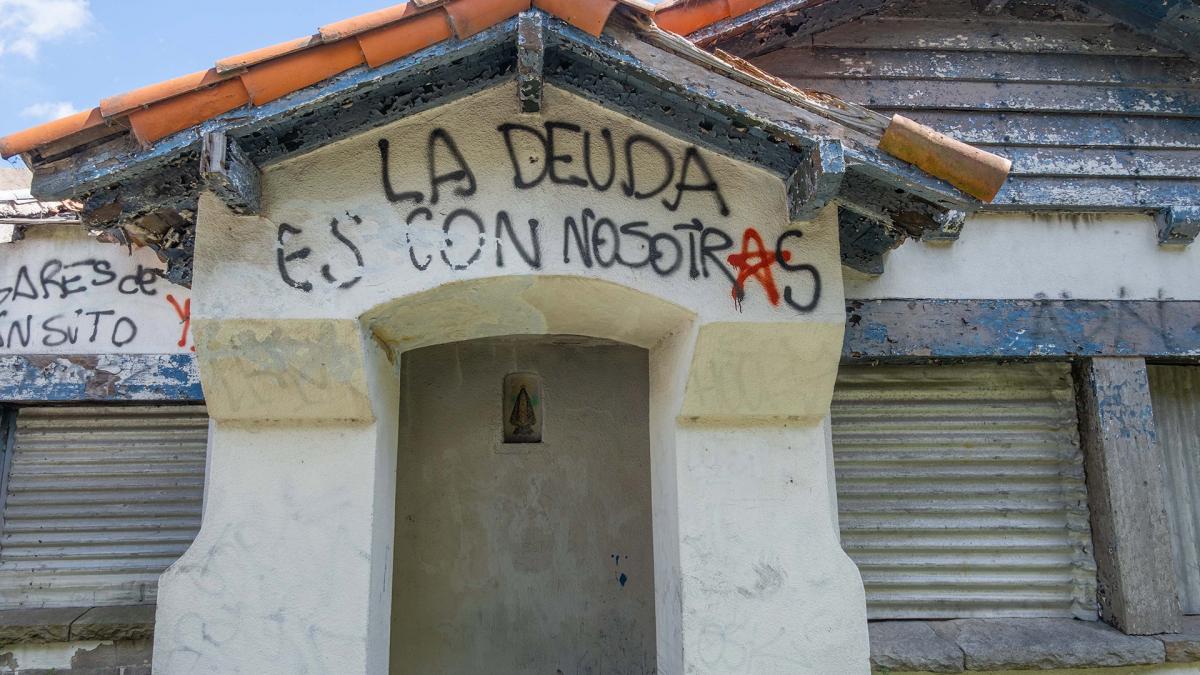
279	77
123	103
688	17
469	17
24	141
365	22
384	45
182	112
376	38
586	16
267	53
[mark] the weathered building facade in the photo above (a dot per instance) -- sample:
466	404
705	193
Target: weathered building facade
522	337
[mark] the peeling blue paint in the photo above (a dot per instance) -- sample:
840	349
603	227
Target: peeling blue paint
64	378
899	329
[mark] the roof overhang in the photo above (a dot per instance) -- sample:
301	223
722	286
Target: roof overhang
823	148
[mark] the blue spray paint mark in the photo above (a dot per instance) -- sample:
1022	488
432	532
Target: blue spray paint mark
623	579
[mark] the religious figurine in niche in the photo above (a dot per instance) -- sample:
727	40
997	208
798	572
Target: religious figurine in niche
523	417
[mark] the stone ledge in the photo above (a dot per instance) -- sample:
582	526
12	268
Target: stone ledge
1184	647
24	626
132	622
40	626
965	645
912	645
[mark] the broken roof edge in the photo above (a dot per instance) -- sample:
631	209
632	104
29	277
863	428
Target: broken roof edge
157	110
20	210
974	171
231	107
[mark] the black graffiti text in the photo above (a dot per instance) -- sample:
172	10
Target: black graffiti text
92	327
286	254
566	154
447	167
59	280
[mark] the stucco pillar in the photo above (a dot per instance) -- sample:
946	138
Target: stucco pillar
761	584
290	571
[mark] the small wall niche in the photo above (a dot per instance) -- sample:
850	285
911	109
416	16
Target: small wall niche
523	411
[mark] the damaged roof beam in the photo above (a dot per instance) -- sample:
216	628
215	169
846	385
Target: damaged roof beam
817	181
531	60
229	174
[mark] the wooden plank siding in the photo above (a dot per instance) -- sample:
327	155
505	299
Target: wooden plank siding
1094	116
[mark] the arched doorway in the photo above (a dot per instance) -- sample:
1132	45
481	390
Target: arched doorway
532	556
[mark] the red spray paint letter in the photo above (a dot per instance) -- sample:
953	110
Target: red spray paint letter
185	317
755	264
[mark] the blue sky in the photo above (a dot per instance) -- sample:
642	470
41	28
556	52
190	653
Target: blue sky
58	56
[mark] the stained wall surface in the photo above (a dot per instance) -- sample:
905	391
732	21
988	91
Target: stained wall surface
524	558
1109	256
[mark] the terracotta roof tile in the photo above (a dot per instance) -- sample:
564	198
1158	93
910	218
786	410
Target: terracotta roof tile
122	103
266	53
369	21
688	17
279	77
182	112
586	16
263	75
384	45
24	141
469	17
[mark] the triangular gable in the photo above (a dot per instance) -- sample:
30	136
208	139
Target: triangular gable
143	178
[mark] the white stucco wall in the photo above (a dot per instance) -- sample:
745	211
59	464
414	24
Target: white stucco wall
526	558
1113	256
63	292
303	314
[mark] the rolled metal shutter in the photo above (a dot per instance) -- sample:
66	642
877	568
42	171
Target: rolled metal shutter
1175	391
961	491
99	501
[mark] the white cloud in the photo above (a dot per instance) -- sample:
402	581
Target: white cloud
48	110
26	24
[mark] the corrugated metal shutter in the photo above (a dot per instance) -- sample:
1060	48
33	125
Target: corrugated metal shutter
961	491
1175	391
100	501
